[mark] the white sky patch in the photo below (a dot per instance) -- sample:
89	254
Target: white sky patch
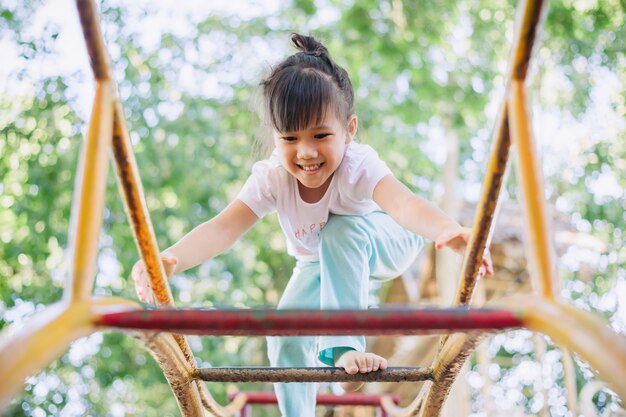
70	54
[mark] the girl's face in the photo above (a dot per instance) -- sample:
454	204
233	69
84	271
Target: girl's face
312	155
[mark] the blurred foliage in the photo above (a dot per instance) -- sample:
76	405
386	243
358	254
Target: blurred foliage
420	71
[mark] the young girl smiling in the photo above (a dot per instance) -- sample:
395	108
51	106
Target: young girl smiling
345	216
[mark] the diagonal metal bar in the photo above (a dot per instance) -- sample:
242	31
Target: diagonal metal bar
321	374
89	190
431	397
29	346
541	253
132	190
529	16
447	364
90	23
485	211
588	334
256	322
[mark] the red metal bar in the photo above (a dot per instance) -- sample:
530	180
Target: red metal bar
257	322
322	399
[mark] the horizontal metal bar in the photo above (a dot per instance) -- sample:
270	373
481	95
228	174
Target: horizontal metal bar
322	399
323	374
260	322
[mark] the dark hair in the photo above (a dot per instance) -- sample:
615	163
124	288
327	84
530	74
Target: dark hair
301	89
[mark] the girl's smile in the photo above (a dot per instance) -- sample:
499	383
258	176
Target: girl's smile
311	169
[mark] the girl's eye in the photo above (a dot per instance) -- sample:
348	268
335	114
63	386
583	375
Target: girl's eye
321	135
289	138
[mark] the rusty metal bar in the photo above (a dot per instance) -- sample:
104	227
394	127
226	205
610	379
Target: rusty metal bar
321	374
177	371
137	210
257	322
446	367
132	190
529	16
528	19
447	364
483	220
90	22
128	174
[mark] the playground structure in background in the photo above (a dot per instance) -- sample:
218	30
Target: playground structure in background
44	337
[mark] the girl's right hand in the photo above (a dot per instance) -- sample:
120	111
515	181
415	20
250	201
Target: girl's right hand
142	280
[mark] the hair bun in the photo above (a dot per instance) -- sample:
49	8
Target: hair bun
309	45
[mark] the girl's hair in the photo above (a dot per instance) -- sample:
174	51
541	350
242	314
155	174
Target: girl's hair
301	89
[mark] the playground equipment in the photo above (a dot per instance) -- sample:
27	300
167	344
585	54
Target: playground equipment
45	336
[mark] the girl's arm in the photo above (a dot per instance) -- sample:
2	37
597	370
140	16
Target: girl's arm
412	212
424	218
201	244
213	237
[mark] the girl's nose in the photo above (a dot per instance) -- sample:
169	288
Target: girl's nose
307	151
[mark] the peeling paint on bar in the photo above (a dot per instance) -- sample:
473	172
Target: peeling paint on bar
257	322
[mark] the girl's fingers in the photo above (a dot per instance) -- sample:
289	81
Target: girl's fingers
445	240
142	286
455	241
361	363
170	260
487	262
485	267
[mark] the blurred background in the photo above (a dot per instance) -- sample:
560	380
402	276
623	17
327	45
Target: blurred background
429	80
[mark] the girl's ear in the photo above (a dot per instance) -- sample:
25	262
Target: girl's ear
353	124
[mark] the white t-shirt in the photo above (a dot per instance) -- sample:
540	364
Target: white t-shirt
271	188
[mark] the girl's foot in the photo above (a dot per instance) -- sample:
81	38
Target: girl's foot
354	362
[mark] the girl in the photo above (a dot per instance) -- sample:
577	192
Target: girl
344	214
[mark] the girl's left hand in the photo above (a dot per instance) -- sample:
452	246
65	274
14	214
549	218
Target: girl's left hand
457	240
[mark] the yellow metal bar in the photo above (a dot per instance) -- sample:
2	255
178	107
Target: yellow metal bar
27	348
569	372
236	404
132	189
89	195
527	25
126	164
541	259
587	334
529	16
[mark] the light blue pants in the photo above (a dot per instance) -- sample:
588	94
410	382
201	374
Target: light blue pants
352	248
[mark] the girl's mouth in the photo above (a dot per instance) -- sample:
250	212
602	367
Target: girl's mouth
311	169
